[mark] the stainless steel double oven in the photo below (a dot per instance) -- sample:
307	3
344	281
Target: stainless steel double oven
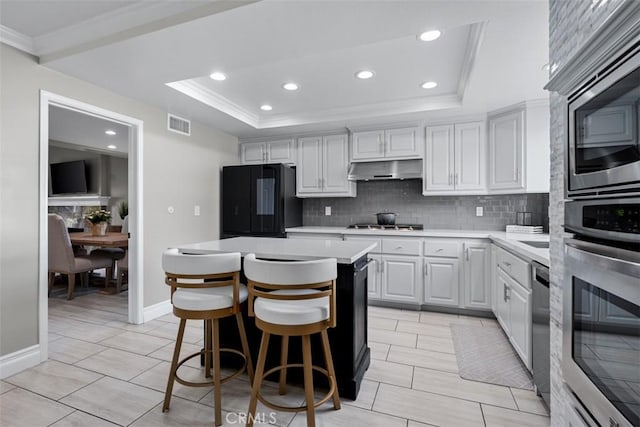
601	300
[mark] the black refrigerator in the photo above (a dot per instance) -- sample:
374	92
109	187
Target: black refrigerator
259	200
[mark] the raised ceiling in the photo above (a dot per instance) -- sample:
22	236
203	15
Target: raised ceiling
490	55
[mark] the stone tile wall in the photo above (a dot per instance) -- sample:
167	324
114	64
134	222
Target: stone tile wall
571	23
406	200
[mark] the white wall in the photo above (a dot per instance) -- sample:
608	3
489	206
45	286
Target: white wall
178	171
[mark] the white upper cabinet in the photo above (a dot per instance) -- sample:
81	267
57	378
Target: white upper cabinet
455	159
506	138
368	145
281	151
519	147
404	143
323	163
439	160
309	172
470	157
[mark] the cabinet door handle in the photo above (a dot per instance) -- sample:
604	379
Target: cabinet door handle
382	267
506	264
515	174
450	178
439	250
456	178
504	292
399	247
467	253
426	269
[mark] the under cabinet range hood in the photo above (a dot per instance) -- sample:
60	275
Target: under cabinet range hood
389	169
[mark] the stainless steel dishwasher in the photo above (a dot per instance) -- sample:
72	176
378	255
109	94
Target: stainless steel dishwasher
540	331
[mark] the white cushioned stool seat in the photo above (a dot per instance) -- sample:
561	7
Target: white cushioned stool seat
282	312
207	298
293	298
206	288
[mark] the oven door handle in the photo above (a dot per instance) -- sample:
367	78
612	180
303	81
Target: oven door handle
607	257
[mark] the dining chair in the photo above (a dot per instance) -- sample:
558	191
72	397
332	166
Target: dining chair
293	298
115	254
122	264
62	259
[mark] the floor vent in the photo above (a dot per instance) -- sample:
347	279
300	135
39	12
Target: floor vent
178	124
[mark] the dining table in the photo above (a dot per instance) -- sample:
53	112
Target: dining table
113	239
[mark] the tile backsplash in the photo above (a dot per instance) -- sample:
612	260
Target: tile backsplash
440	212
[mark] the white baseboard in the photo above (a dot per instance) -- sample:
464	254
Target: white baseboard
20	360
157	310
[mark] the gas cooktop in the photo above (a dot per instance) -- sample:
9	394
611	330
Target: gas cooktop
402	227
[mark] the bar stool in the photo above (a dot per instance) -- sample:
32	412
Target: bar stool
206	287
293	299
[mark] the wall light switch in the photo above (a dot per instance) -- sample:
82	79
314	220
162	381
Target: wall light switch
170	209
196	210
327	210
479	211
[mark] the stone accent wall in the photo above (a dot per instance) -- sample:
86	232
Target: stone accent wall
434	212
571	23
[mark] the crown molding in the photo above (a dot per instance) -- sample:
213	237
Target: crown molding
620	30
358	112
18	40
208	97
476	35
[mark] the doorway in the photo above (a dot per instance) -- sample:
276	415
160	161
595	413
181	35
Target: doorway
134	130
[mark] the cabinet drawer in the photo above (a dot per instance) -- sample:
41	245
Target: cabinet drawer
441	248
517	268
401	246
375	250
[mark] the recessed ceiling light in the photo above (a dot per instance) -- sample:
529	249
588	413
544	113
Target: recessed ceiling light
218	76
110	132
111	147
429	85
364	74
429	36
290	86
266	107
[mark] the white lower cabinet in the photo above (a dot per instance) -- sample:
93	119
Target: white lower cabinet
477	284
520	316
401	278
395	273
513	311
442	281
374	282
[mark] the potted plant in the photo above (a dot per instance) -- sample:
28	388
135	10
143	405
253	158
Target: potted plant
123	209
99	220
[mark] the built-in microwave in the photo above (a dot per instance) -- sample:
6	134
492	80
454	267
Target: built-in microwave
604	132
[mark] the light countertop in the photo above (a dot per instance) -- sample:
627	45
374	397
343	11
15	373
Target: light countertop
346	252
509	241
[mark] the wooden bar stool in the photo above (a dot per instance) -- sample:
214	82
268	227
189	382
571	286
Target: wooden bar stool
293	299
206	287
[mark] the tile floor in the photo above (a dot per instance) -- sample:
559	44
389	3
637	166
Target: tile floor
104	372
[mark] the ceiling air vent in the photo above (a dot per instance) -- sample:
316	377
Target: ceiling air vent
179	125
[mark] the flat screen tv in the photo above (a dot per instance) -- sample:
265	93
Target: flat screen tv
69	177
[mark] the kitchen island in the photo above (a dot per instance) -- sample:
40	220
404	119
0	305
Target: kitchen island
351	354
